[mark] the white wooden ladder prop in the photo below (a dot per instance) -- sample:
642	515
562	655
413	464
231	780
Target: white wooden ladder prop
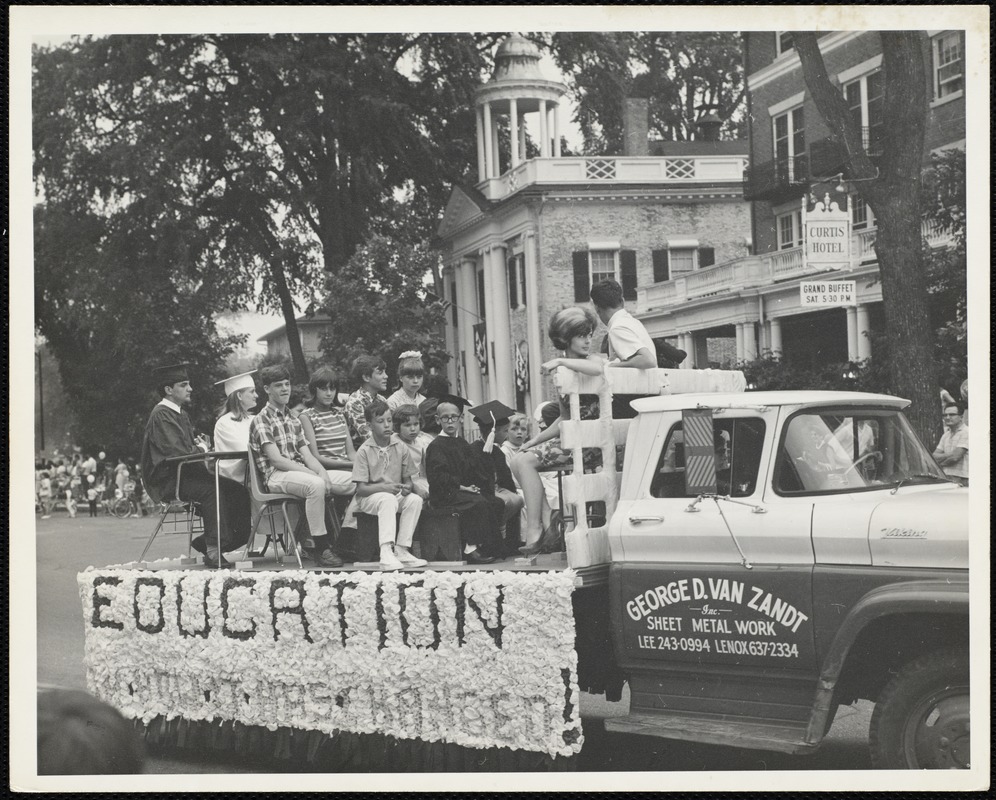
590	545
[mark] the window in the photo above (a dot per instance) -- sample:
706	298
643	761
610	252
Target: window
707	257
592	266
864	99
862	217
948	71
790	230
682	259
783	42
790	144
834	450
516	269
738	443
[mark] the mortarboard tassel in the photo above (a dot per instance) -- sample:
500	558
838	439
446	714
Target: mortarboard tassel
489	443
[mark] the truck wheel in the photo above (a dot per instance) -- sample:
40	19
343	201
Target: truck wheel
921	719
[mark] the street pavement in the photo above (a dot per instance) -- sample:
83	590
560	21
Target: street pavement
67	546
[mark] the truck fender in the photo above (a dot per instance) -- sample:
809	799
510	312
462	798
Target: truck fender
929	596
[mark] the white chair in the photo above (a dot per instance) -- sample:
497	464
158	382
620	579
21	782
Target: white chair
271	503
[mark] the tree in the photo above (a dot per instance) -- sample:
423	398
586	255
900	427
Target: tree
679	72
262	157
378	304
891	187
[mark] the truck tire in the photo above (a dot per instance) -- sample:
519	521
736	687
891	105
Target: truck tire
921	719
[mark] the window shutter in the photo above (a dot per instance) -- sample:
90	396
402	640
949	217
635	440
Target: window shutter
581	283
627	269
513	284
707	256
453	307
661	271
522	278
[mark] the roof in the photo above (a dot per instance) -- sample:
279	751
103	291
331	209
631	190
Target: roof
730	147
303	320
676	402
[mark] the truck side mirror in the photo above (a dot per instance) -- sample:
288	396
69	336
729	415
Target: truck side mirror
700	452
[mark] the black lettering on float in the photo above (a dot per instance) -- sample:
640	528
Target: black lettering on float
161	623
433	614
99	601
463	601
297	586
341	606
227	586
203	633
381	619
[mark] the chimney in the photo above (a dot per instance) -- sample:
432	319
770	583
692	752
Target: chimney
708	127
636	126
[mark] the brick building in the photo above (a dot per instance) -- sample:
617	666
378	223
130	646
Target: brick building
534	233
756	299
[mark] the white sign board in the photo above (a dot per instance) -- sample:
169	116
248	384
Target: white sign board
827	236
828	293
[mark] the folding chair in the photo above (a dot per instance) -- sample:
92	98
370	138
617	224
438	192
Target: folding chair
187	515
271	503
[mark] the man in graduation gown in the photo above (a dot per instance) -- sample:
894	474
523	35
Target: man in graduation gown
492	421
169	433
463	481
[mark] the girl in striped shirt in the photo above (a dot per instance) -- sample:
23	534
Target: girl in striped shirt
326	431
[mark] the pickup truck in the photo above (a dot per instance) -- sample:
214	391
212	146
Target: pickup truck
770	557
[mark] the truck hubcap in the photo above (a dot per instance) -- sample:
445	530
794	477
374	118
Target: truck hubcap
938	734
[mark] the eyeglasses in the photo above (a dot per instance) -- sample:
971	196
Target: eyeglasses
951	415
449	418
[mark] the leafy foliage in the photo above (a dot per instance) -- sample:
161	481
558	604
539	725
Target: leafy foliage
679	72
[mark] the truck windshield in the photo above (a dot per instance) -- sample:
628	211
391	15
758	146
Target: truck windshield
844	450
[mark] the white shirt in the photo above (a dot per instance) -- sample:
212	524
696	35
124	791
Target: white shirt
627	336
232	435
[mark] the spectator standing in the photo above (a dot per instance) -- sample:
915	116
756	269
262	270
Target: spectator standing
45	495
951	452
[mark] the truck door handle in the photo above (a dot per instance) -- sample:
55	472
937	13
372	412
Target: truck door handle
638	520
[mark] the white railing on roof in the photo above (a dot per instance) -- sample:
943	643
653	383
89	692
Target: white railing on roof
617	169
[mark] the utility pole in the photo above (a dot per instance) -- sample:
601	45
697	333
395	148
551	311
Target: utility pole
41	403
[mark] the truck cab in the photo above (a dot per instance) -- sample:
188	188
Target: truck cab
776	554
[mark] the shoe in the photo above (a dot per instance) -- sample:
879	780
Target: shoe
199	544
46	516
388	560
530	549
475	556
406	557
214	560
325	559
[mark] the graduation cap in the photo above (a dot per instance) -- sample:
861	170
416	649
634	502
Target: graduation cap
452	399
237	383
491	413
167	376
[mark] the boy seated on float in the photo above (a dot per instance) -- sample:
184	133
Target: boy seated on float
383	475
281	454
493	419
369	374
462	482
408	430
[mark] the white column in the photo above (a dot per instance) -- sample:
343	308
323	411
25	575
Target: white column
740	341
750	341
489	154
496	167
544	136
489	318
513	131
503	385
452	334
481	164
864	343
556	130
852	333
468	301
533	339
685	343
776	337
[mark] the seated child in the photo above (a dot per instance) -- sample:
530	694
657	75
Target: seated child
408	429
383	475
410	374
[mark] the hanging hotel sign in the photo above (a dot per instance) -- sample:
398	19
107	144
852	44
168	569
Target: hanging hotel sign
827	236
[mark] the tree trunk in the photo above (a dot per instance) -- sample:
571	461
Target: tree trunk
290	320
892	189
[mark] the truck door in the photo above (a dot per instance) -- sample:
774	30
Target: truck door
723	579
